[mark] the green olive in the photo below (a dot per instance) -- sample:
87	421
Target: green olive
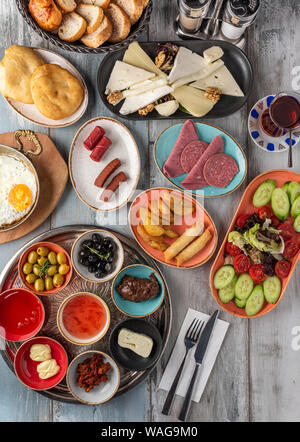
27	268
41	261
63	269
52	258
61	258
32	257
31	278
51	270
36	269
39	285
58	280
48	283
42	251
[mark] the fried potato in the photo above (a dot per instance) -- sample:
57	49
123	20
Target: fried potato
155	242
165	212
151	226
170	233
178	205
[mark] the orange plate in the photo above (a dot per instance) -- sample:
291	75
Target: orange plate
246	206
52	248
181	225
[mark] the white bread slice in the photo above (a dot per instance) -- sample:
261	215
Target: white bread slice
67	5
72	28
93	16
102	3
120	23
133	8
100	36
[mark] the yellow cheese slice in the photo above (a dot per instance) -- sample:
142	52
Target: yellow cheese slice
136	56
193	100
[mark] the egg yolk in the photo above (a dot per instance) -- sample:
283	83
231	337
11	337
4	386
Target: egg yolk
20	197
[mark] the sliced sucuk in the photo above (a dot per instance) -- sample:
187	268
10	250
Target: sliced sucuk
220	169
100	149
107	171
195	179
191	154
94	138
172	166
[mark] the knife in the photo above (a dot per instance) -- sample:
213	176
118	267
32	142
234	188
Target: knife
199	356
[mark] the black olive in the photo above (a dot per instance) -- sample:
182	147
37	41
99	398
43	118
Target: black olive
110	258
107	267
96	237
93	259
87	242
99	274
92	268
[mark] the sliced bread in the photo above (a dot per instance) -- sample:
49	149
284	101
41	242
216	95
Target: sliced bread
133	8
67	5
100	36
102	3
72	28
93	16
120	23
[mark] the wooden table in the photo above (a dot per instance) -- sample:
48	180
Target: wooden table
256	376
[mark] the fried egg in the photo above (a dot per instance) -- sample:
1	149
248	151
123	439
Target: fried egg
18	189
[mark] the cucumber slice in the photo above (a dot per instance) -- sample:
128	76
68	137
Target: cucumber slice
272	289
285	187
296	224
295	211
223	276
227	293
293	190
280	204
263	193
240	303
244	286
255	301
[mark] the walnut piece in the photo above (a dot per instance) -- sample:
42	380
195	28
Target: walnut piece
160	59
114	97
213	94
146	110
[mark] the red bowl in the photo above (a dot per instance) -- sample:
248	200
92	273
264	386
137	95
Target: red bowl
22	314
52	248
26	368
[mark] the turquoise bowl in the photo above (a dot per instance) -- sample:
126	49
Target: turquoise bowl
137	309
206	132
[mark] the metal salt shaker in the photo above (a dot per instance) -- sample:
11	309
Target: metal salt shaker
238	16
191	14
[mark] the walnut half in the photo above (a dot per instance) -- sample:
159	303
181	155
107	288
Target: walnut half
160	59
213	94
146	110
114	97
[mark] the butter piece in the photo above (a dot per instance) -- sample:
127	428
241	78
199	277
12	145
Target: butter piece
47	369
40	352
137	342
212	54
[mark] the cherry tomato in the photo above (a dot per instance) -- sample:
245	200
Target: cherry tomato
264	212
290	249
275	221
241	220
232	249
241	263
257	273
287	230
282	268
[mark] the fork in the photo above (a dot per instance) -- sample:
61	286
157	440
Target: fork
190	339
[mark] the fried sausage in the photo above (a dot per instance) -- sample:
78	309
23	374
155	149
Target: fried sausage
94	138
100	149
112	186
107	171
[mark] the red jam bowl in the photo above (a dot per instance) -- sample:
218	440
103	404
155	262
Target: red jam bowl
22	314
26	368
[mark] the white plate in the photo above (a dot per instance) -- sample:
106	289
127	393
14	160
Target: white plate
102	392
30	112
83	171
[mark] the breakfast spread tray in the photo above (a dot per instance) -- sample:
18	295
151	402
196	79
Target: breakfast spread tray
65	237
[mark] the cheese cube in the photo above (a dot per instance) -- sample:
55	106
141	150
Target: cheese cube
137	342
212	54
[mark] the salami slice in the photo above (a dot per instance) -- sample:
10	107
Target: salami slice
191	154
195	179
219	170
188	133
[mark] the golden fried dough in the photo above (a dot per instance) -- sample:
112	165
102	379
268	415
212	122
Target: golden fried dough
55	91
16	69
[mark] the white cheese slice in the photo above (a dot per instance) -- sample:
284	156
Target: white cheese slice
136	56
223	80
207	70
186	63
125	75
133	104
144	83
137	342
145	88
212	54
193	100
168	108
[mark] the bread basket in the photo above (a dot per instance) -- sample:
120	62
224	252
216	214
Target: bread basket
136	30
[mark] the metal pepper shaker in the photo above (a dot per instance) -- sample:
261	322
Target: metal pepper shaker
238	15
191	14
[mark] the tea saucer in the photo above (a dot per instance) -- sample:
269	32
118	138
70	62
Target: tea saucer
260	138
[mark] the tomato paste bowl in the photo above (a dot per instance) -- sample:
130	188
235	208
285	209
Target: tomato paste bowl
22	314
52	247
26	368
83	318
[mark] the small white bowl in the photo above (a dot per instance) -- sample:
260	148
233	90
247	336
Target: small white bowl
82	270
67	335
102	392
